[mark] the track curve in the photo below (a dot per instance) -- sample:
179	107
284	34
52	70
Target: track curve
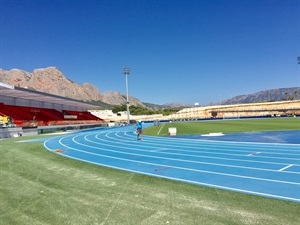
270	170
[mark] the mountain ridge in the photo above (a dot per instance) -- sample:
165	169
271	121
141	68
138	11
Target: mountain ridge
271	95
51	80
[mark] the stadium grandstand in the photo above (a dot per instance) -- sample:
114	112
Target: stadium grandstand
22	107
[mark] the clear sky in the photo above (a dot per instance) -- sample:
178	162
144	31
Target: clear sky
178	50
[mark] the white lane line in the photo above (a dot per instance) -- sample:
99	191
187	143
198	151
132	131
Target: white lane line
284	168
255	153
184	180
124	145
104	146
166	165
160	129
197	182
159	149
174	167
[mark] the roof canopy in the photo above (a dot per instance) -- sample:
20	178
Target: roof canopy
24	93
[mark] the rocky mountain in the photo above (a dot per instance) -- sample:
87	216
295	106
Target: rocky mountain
51	80
177	105
271	95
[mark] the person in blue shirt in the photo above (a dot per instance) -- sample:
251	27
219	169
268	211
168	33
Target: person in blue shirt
139	128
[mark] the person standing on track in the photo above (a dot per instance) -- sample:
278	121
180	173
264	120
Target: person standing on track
139	128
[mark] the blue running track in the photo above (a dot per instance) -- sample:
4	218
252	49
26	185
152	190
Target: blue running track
264	169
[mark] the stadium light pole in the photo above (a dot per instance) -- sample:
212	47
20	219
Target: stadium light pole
197	110
126	72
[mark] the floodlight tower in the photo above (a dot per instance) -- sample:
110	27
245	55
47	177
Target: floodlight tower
197	110
298	60
126	72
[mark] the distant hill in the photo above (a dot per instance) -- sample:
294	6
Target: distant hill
167	105
177	105
51	80
271	95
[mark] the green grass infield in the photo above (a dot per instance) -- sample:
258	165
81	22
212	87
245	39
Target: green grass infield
225	126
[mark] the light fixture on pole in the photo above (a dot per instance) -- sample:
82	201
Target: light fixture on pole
196	110
126	72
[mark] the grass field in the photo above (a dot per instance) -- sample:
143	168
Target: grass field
226	126
41	187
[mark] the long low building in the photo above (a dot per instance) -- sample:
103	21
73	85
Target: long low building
280	108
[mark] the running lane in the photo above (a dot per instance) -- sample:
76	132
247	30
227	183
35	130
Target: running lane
270	170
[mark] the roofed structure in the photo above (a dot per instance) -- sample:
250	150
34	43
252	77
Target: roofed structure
17	96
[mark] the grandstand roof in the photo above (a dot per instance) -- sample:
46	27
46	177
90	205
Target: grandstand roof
24	93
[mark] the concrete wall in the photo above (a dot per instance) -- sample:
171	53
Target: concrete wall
9	132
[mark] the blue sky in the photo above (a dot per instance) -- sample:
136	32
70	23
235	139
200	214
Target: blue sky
178	50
